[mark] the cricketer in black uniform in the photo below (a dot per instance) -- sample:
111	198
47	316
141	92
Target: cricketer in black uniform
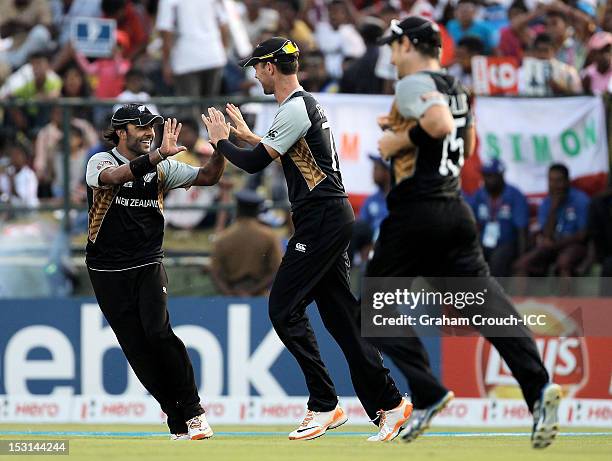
124	257
315	265
430	231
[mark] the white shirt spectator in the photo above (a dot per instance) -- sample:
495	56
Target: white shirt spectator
338	44
26	188
267	19
198	44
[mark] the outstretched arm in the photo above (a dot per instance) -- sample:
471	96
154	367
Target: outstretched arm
144	164
249	160
211	173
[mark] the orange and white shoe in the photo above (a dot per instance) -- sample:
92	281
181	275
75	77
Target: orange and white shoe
390	422
315	423
198	428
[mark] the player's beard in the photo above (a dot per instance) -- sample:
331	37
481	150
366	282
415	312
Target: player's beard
137	145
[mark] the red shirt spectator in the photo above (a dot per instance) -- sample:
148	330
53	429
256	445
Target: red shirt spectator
109	72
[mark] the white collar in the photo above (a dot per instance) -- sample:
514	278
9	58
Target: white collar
121	157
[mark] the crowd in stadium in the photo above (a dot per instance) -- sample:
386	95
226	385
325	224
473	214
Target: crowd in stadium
157	54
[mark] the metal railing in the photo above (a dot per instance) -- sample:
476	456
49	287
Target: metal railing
67	106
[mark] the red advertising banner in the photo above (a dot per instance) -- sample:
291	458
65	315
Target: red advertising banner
495	75
471	367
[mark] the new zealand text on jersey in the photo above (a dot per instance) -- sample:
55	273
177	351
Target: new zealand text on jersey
135	202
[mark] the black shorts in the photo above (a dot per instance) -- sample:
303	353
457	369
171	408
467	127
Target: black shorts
436	238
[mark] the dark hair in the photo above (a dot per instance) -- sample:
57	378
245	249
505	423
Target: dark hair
518	5
191	123
39	55
426	49
85	89
25	150
561	168
288	67
293	4
111	136
111	7
135	73
558	14
473	44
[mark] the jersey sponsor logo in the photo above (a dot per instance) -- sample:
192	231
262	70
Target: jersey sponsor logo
103	164
137	203
272	134
129	184
165	290
300	247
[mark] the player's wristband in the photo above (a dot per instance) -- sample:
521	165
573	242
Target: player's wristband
140	166
420	137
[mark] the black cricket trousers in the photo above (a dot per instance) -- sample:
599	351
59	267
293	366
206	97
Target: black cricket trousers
315	267
134	303
436	239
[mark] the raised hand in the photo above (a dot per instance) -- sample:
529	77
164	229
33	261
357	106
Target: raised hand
169	145
241	129
216	125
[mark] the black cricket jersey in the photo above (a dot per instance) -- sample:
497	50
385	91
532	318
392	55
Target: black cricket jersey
302	135
437	168
126	223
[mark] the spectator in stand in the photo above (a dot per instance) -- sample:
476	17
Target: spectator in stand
109	72
562	219
422	8
193	34
313	74
518	36
48	154
33	81
558	77
465	23
291	26
338	39
76	85
596	77
64	11
18	183
26	23
197	154
567	48
258	18
466	49
246	255
374	208
600	233
135	84
128	22
502	215
360	76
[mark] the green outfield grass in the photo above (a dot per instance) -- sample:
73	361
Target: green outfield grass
270	443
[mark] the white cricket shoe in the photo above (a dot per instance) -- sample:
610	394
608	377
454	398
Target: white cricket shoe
199	428
315	423
390	422
421	419
180	437
546	416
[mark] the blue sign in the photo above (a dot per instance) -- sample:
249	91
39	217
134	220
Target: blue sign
54	346
94	37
